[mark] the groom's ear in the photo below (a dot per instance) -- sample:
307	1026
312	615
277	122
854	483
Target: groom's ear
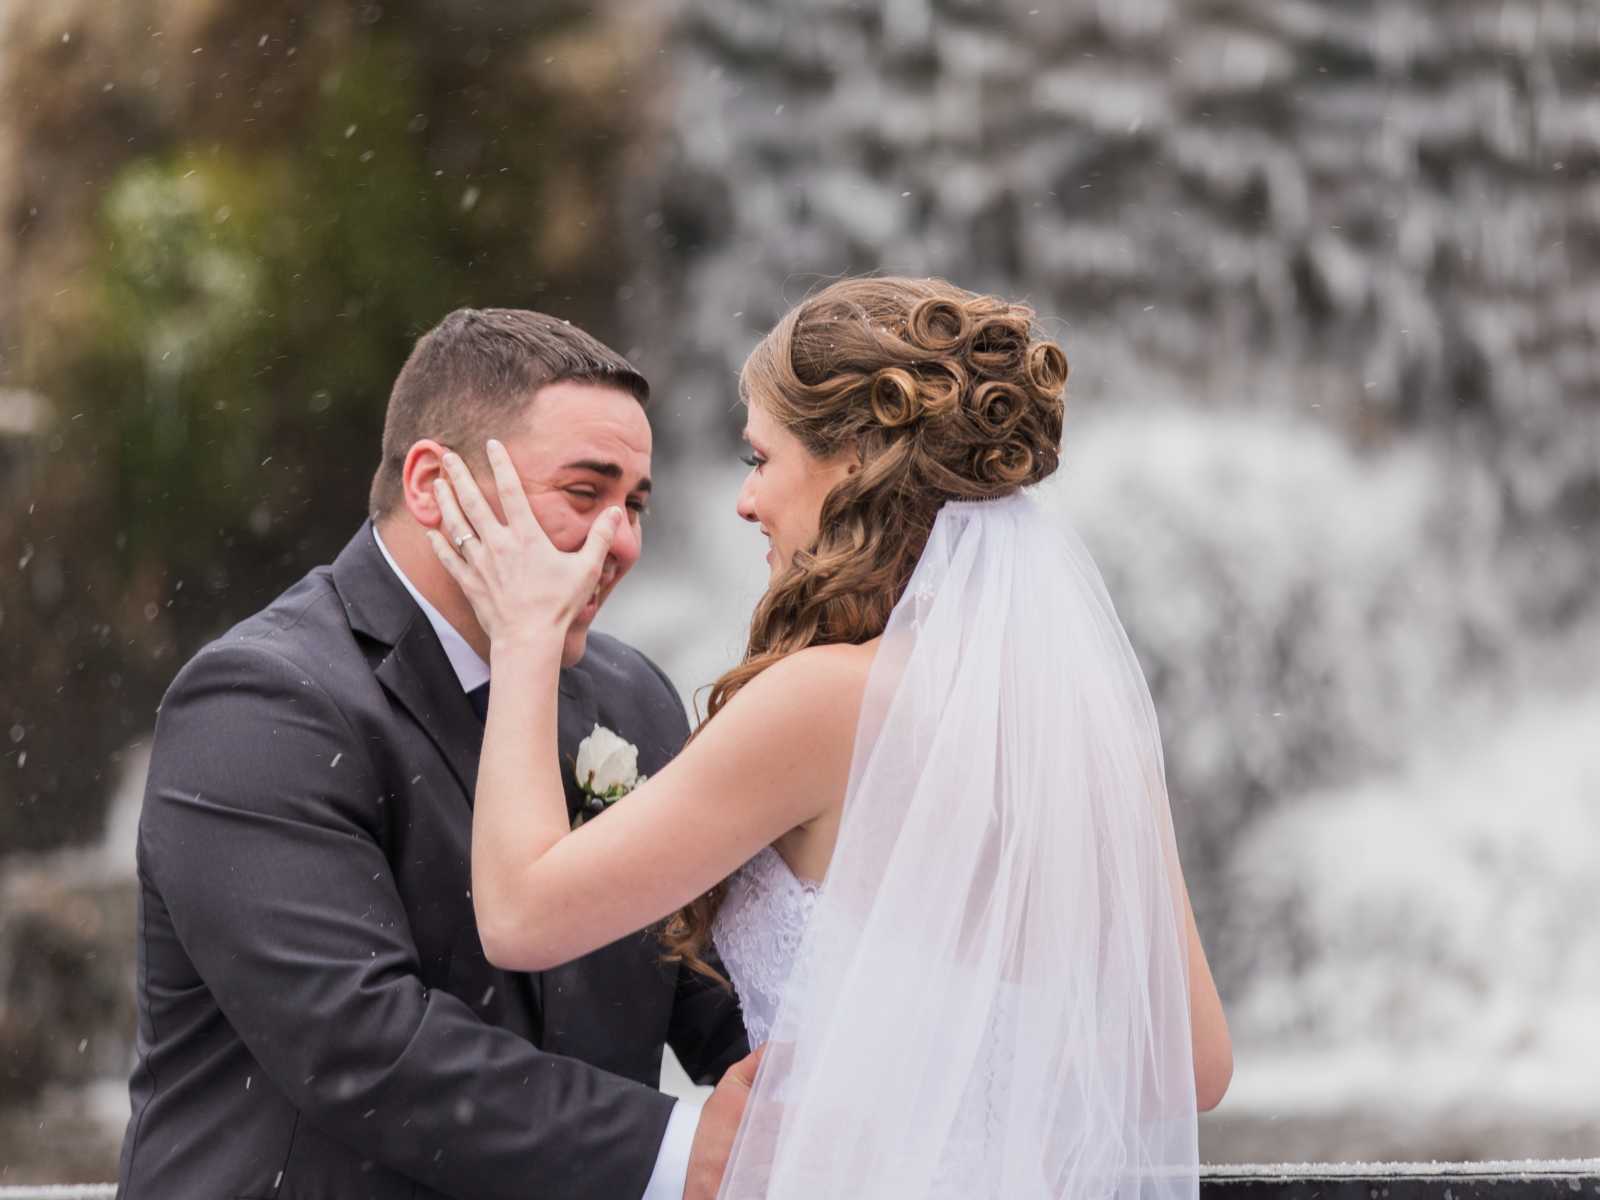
424	465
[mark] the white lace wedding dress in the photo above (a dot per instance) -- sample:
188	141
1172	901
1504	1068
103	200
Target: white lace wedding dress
757	933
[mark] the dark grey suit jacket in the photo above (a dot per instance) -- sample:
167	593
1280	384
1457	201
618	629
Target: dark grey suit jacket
316	1017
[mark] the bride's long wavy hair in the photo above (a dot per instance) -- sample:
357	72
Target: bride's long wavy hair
941	394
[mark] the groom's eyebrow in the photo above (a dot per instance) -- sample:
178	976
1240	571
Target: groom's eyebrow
609	470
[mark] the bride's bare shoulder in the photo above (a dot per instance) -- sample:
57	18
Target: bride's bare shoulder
819	678
841	665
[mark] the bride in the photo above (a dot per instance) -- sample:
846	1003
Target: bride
925	823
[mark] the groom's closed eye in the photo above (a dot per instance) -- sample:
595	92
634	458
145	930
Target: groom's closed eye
587	495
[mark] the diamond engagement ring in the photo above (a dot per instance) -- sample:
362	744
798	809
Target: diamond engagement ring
463	540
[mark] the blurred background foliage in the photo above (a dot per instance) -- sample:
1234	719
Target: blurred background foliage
228	224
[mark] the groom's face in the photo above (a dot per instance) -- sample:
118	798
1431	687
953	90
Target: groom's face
579	449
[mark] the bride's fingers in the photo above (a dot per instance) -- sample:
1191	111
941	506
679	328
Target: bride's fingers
456	526
513	500
744	1071
470	497
453	563
598	544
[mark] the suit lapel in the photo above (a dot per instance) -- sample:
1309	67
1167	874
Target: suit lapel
417	674
414	670
575	721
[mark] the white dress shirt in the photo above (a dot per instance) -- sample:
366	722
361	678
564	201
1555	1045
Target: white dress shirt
671	1172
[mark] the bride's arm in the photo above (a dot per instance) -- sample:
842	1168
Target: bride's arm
1213	1046
773	759
544	895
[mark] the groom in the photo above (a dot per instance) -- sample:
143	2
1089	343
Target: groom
317	1020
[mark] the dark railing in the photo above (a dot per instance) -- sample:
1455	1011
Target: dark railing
1533	1180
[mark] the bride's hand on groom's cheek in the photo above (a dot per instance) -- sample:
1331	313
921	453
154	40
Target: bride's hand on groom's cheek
719	1122
518	583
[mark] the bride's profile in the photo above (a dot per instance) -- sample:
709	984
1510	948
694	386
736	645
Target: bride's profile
925	823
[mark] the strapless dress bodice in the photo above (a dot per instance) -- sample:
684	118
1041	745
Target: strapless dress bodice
757	933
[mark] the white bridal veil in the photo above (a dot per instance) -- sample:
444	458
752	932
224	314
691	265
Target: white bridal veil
991	999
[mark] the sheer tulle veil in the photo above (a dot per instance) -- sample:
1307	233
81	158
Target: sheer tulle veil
991	999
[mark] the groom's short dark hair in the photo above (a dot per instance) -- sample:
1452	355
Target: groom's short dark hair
477	370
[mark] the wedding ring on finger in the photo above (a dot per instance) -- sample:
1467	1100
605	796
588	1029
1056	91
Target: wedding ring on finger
463	540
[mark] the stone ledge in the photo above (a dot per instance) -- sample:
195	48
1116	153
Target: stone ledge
1403	1181
1260	1181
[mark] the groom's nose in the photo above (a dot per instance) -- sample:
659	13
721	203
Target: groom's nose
626	545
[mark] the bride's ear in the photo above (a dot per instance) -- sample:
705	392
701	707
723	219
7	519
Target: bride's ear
424	466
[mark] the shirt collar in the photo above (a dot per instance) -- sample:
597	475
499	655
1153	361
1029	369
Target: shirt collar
469	666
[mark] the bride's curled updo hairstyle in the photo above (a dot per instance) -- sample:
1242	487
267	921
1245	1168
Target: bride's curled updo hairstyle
941	394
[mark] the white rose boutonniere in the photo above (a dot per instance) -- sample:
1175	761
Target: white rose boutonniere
607	769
